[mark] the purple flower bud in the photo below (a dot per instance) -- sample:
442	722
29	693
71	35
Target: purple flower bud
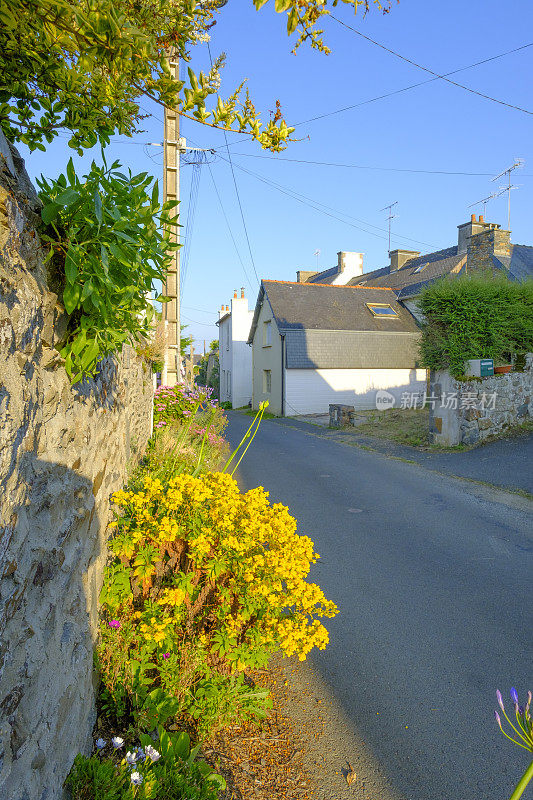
514	695
521	710
499	699
498	720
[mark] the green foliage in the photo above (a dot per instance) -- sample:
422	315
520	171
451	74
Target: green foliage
212	382
479	316
109	241
224	700
168	771
84	65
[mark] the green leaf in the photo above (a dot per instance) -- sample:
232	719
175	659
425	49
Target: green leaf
71	268
71	172
68	197
71	297
49	212
98	207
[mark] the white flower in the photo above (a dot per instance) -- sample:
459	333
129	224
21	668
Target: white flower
152	753
117	742
136	778
100	743
131	758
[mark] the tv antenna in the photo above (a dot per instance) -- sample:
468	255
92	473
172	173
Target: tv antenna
317	255
518	162
486	200
391	216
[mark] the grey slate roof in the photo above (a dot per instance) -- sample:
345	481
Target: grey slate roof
436	264
519	264
324	277
312	349
300	306
330	327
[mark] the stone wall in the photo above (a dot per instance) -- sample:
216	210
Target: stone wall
467	412
483	246
63	450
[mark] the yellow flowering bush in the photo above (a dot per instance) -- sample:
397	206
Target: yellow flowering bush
203	574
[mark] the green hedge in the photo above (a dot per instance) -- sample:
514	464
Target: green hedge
478	316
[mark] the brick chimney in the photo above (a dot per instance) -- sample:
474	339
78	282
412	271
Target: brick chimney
399	257
472	228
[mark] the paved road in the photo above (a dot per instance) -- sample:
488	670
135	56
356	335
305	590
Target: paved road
507	462
433	578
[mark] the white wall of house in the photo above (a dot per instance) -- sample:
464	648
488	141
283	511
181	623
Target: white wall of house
235	356
310	391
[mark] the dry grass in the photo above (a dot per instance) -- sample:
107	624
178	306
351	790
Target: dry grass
404	426
153	349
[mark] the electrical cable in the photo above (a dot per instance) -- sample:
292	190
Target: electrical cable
444	76
237	191
436	74
315	204
228	226
191	216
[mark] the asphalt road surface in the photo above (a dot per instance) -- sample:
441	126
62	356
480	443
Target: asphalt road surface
433	579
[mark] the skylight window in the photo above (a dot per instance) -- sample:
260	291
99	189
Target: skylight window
381	310
420	268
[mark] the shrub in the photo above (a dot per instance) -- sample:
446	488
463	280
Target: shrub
168	771
205	581
478	316
177	403
109	241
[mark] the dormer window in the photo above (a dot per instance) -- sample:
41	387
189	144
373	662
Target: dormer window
382	310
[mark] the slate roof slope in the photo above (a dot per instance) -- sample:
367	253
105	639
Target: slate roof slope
326	276
519	264
434	265
322	307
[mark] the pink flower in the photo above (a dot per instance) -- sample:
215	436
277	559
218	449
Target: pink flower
114	624
166	655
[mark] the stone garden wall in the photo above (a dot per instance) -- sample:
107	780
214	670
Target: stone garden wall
466	412
63	450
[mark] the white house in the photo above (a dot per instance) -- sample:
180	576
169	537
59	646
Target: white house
316	344
235	356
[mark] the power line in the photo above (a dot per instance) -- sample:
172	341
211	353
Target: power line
195	322
194	188
237	189
403	89
436	74
229	226
363	166
315	204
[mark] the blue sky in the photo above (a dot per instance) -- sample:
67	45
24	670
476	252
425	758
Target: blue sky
433	127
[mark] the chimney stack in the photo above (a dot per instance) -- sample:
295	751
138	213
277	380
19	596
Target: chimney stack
235	294
473	218
399	257
481	219
242	292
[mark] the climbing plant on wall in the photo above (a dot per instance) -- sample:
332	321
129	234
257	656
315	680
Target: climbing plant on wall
107	239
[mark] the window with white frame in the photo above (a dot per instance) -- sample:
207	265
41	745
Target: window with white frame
267	333
267	381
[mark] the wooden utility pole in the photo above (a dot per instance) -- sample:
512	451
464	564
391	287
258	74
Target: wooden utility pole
171	191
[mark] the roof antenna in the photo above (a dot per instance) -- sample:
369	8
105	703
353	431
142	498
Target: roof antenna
317	254
518	162
390	217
